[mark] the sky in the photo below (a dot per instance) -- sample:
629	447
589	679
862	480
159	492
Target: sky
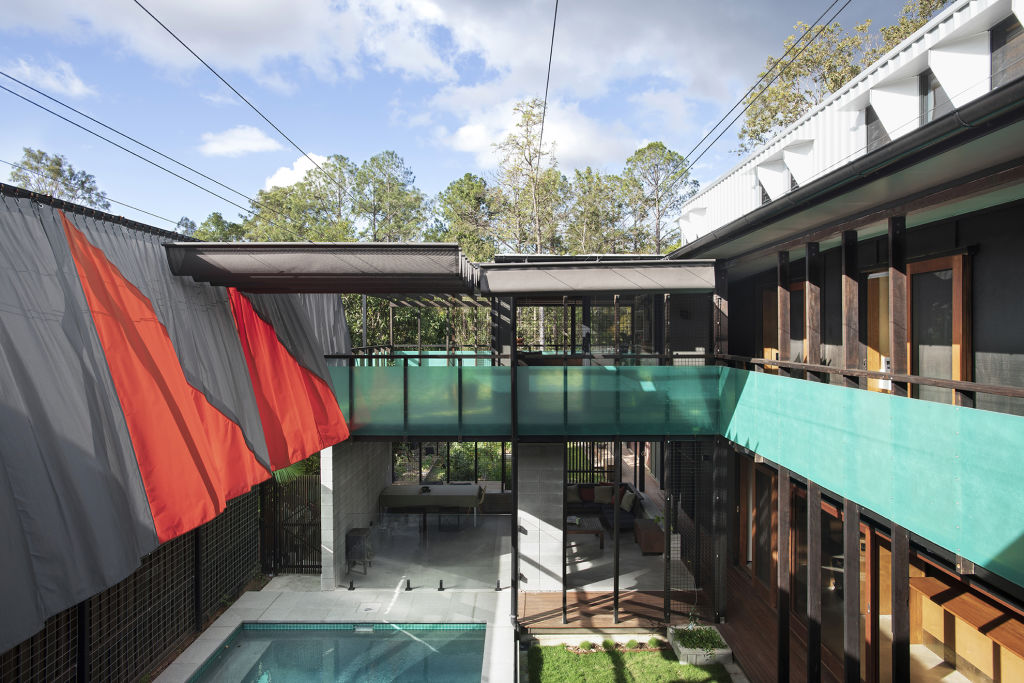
433	80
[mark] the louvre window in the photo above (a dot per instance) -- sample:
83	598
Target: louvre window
877	135
934	100
1007	51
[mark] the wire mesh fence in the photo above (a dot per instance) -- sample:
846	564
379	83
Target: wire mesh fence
690	567
123	632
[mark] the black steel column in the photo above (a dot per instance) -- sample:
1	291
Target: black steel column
782	588
813	582
585	340
900	603
615	523
720	312
364	319
565	511
514	318
667	485
719	523
476	462
851	592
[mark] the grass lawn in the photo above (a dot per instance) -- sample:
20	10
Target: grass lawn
555	664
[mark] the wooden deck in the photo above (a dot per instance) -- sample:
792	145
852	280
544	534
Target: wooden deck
542	611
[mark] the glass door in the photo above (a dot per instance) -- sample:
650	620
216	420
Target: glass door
938	307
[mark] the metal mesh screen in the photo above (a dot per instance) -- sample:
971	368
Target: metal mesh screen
135	624
229	553
50	655
690	572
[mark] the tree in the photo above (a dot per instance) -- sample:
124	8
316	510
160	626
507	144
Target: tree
53	175
530	196
387	203
913	16
660	180
465	216
594	224
217	229
808	76
186	226
814	69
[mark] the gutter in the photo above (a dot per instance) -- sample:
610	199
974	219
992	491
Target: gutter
975	119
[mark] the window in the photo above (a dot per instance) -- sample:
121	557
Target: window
1007	40
765	199
877	135
934	100
937	291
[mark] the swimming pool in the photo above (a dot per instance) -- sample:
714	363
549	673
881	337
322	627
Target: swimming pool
283	653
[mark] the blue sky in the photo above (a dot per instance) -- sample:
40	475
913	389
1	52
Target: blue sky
434	80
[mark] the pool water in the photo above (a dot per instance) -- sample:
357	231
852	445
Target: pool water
287	653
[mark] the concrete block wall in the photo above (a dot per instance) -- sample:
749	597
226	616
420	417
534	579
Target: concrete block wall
352	475
540	516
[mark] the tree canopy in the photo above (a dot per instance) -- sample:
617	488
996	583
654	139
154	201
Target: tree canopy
53	174
818	66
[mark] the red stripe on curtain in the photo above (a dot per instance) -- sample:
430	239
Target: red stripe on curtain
299	411
192	458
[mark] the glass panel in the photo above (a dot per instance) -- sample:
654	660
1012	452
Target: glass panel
763	526
433	400
799	577
377	397
932	331
486	400
796	326
832	583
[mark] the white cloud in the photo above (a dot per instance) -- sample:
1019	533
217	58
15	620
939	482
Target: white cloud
59	80
289	175
237	141
220	98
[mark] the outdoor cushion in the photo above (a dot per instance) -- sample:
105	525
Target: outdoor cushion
604	494
586	494
572	494
627	501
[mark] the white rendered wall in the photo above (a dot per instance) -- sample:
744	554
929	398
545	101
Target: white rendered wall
357	471
540	516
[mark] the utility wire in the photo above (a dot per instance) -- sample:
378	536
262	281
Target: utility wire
147	160
112	201
233	89
774	78
547	84
139	143
764	76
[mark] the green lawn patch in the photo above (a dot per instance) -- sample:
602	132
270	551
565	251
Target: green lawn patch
556	664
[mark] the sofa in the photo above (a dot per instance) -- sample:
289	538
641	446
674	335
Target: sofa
599	500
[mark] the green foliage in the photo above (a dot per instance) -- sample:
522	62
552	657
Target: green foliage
699	638
310	465
656	184
595	214
608	644
558	665
465	215
586	645
913	16
53	175
827	63
217	229
655	643
529	198
632	645
386	202
186	225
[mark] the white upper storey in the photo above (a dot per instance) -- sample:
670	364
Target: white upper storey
955	46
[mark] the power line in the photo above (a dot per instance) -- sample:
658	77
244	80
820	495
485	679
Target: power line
774	78
112	201
763	76
148	161
233	89
547	84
